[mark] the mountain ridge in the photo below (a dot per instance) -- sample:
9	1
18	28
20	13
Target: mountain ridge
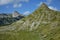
42	24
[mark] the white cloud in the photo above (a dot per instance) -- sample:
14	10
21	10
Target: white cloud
49	1
20	5
2	2
26	13
5	1
17	5
24	0
53	8
39	4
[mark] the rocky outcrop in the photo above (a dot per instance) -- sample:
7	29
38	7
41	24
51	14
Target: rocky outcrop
15	14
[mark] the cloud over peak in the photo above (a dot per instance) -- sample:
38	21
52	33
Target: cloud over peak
26	13
53	8
39	3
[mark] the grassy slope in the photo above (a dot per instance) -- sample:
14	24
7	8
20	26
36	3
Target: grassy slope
43	24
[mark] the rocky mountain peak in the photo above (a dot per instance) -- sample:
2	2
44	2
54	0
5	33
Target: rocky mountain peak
15	14
43	5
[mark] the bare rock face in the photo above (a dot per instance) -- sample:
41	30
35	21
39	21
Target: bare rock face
15	14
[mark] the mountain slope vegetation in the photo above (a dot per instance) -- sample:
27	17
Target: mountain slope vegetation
42	24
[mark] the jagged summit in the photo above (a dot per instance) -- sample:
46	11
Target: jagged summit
43	6
15	14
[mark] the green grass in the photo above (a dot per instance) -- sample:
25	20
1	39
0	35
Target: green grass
22	35
42	33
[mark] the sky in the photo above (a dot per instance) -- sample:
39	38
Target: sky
26	7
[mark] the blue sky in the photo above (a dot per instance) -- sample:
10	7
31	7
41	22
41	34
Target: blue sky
26	6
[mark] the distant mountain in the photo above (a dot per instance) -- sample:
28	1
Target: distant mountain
6	19
42	24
